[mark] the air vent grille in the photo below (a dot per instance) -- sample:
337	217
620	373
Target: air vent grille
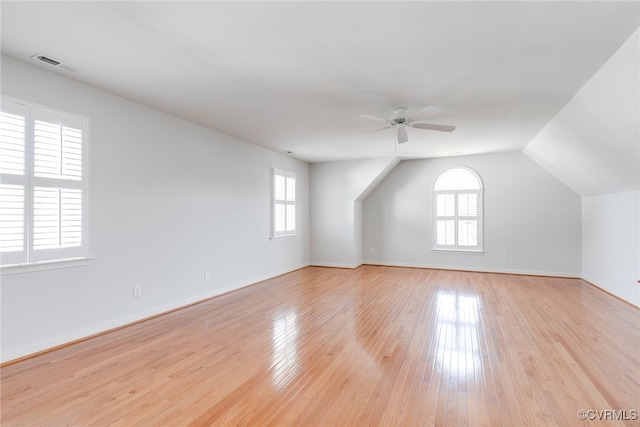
54	62
47	60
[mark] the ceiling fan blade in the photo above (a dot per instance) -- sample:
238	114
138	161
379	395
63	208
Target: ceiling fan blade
427	111
373	131
377	119
401	134
429	126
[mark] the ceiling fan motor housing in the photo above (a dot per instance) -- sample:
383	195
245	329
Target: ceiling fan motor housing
399	116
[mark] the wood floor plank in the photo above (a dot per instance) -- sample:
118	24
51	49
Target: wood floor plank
372	346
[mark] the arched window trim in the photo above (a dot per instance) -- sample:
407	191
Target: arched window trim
452	215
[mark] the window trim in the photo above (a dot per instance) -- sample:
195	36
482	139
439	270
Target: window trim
456	248
282	234
30	261
45	265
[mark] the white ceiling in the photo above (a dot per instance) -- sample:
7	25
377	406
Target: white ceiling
593	143
294	76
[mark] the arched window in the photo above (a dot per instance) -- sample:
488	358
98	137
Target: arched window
457	201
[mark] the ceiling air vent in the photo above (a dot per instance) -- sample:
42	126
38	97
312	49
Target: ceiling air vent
54	62
47	60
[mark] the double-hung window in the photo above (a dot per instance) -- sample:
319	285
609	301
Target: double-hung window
43	184
457	203
283	203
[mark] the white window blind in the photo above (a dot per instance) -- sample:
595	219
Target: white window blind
57	218
12	136
283	203
13	219
43	195
458	201
57	151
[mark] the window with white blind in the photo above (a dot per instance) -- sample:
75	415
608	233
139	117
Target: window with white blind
43	184
457	195
283	203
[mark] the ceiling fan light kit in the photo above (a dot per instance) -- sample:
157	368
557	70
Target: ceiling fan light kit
400	120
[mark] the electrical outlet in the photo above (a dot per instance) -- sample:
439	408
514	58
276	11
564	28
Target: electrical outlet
504	257
207	276
137	291
372	250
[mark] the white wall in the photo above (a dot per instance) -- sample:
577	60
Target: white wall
169	201
611	244
592	144
528	214
337	189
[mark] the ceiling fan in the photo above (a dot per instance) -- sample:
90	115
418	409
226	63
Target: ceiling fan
400	119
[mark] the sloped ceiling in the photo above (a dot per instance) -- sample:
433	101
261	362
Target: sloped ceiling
593	143
294	76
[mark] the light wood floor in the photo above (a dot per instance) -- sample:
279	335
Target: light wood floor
371	346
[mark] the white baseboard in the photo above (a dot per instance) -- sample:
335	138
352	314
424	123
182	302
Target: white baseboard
477	269
7	356
613	291
334	265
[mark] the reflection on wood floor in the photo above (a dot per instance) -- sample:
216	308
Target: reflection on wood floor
371	346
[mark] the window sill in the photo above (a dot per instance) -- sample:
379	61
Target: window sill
460	251
45	265
292	236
